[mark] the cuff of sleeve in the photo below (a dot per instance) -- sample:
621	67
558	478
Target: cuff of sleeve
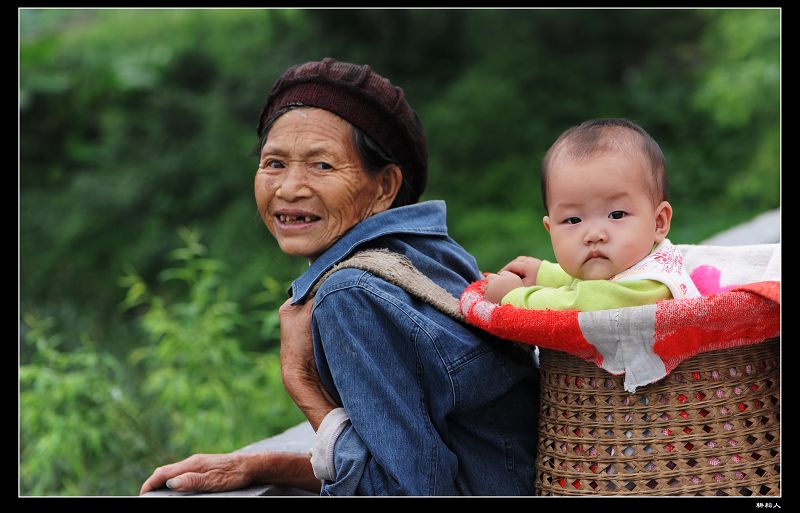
327	434
548	272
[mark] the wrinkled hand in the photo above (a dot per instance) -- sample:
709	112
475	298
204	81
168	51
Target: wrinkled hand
203	473
234	471
298	368
500	284
525	267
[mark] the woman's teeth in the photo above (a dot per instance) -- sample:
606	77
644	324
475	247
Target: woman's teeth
296	219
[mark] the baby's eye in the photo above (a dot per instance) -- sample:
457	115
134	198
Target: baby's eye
572	220
617	214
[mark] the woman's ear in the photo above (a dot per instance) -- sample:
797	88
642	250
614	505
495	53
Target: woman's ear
390	179
663	220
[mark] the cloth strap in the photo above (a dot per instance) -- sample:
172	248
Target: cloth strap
399	270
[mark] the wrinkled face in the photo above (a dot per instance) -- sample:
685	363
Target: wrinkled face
601	216
310	186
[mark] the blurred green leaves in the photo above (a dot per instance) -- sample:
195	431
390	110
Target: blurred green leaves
92	423
134	122
743	79
79	426
740	89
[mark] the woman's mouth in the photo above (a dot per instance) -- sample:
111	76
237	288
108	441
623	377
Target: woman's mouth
289	219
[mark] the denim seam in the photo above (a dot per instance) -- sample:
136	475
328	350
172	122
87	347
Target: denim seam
468	358
428	426
508	451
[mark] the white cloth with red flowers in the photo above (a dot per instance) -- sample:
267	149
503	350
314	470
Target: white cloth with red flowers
665	265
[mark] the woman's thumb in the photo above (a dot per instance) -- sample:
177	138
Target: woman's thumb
188	482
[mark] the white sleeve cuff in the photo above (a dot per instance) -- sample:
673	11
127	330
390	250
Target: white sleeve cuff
327	434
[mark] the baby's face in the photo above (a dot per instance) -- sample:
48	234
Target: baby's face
601	215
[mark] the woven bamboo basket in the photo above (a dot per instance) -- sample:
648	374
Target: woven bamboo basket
711	427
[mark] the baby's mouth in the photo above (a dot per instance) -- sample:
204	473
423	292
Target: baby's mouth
595	254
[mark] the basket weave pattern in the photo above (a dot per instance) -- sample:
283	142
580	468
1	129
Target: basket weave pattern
711	427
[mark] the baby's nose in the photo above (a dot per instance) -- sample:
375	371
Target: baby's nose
594	235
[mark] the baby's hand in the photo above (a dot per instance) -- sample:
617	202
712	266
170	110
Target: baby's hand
525	267
498	285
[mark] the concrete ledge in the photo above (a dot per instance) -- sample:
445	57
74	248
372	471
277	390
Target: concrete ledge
764	229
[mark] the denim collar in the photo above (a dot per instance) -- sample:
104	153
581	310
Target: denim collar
426	218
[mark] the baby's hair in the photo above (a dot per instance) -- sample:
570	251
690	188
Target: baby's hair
603	135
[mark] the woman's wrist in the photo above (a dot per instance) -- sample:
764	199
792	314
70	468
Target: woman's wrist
281	468
309	395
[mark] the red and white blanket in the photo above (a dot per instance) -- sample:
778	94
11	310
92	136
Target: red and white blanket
740	306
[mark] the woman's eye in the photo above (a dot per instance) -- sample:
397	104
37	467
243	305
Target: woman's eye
617	214
323	165
572	220
272	164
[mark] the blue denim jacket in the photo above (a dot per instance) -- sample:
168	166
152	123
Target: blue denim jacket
436	407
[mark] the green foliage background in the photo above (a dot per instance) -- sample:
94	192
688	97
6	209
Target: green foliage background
137	129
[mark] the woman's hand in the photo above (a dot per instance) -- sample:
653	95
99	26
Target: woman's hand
222	472
203	473
298	368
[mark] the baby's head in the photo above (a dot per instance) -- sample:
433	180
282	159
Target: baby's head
604	187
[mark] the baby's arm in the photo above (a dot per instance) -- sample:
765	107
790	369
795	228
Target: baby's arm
589	295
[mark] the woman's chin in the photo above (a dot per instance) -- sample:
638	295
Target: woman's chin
299	249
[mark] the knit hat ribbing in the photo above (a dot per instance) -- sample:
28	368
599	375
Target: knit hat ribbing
365	99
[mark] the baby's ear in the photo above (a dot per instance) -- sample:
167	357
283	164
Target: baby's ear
663	220
546	221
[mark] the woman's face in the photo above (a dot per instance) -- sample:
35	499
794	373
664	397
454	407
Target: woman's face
310	185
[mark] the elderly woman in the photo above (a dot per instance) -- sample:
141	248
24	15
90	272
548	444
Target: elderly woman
404	399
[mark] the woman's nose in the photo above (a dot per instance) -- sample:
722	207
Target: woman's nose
293	184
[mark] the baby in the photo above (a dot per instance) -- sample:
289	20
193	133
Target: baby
604	187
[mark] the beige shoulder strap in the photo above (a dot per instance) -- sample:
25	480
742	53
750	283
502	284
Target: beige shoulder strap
399	270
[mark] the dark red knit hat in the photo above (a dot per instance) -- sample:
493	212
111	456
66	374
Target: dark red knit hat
363	98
